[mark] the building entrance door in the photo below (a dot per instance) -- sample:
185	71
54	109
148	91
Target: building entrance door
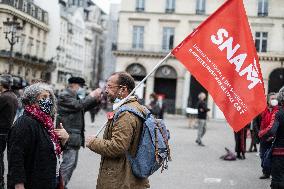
165	85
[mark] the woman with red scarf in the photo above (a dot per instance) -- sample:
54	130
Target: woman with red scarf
34	144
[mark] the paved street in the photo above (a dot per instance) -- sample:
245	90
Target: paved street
192	167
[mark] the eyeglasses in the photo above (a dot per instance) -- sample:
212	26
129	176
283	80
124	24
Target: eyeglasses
110	87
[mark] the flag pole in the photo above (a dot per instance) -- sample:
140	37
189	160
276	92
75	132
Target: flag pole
137	86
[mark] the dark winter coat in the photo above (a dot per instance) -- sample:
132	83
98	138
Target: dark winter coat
202	110
276	128
71	112
31	157
8	108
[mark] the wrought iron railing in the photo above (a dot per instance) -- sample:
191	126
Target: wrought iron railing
140	47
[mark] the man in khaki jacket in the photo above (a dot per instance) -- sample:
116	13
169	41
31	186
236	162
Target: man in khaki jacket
120	137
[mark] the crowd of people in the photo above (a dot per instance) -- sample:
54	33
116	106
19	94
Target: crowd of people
267	130
43	133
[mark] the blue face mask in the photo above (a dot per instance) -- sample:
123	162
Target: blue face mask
117	100
45	105
115	103
81	92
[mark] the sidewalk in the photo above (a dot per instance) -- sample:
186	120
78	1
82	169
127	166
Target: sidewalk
193	167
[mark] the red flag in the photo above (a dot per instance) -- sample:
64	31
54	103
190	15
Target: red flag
221	55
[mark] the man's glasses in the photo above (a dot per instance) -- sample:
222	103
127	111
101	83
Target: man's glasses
110	87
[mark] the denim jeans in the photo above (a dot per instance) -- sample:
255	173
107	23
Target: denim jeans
262	149
70	159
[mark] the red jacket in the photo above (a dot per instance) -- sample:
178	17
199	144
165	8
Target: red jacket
266	118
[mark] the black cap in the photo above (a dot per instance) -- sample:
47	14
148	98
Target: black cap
77	80
6	80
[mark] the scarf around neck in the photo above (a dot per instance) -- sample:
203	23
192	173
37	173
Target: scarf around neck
47	123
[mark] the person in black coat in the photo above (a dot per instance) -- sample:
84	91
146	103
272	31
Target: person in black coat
202	116
8	108
71	109
34	145
275	132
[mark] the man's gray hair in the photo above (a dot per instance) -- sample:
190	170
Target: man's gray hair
280	95
31	93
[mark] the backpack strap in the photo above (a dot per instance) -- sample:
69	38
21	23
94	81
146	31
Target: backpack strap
128	109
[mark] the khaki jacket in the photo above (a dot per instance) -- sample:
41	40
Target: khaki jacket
120	137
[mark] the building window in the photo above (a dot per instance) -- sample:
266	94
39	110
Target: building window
200	7
45	17
27	71
80	3
138	37
33	11
39	14
43	50
30	45
168	38
170	6
140	4
25	6
262	8
32	30
38	32
20	69
23	38
86	14
261	41
37	47
16	4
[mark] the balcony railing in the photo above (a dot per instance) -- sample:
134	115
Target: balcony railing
170	10
262	14
139	48
25	58
200	11
29	8
139	9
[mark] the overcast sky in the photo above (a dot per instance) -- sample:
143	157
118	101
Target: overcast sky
104	4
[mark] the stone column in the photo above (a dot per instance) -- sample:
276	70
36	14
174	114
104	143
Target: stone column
186	86
179	94
149	88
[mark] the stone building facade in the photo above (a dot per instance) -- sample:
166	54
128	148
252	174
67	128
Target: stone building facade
29	58
148	30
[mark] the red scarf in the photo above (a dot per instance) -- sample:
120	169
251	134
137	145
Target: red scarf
47	122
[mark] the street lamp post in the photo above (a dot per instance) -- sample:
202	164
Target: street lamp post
11	29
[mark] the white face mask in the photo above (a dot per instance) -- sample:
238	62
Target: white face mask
81	92
115	103
274	102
